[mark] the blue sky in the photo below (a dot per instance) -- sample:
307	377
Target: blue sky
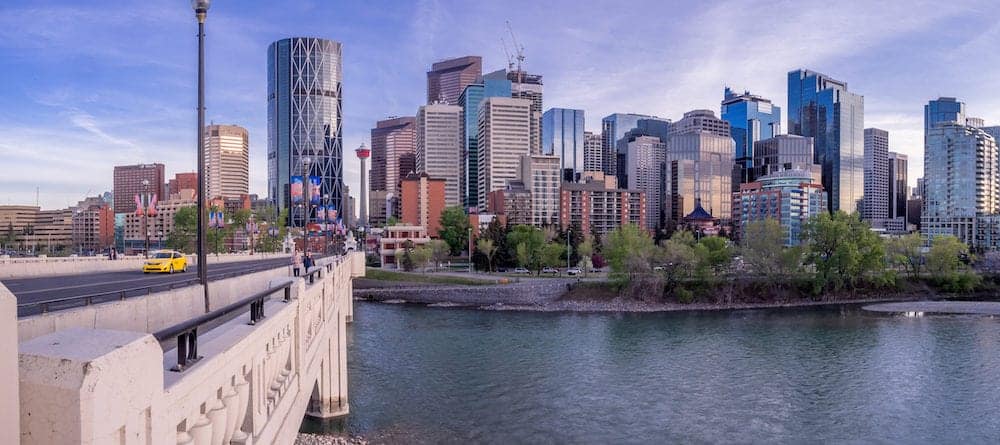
86	85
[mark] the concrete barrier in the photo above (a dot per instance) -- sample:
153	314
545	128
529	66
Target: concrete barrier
152	312
47	267
9	388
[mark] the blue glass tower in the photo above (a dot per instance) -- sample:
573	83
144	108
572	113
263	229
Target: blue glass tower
617	129
751	118
469	100
822	108
562	135
944	109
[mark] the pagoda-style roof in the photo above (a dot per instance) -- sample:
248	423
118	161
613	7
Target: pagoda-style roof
699	214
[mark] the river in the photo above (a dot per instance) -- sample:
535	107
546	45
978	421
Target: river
828	374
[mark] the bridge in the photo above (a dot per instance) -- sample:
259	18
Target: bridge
154	368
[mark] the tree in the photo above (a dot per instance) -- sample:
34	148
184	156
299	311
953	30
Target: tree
533	241
439	251
713	254
907	251
486	247
552	254
677	258
407	259
392	221
943	258
764	250
584	251
626	243
843	250
455	229
185	230
497	233
421	256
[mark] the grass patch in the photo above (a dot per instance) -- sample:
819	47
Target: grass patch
388	275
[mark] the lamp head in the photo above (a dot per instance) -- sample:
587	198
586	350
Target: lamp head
200	6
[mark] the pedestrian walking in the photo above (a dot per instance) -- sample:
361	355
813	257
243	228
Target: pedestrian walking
308	262
296	262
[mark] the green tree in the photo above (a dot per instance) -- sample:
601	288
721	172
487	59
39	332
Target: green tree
533	241
943	258
497	233
392	221
764	250
439	251
422	256
624	248
486	247
552	254
406	262
714	255
677	258
455	229
843	250
185	230
584	251
907	252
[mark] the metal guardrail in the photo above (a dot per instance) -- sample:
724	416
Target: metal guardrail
42	307
186	332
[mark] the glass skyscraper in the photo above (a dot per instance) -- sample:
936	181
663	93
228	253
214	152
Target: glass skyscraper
304	119
618	129
562	135
821	107
469	100
944	109
751	118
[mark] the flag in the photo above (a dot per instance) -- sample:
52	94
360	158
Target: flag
295	189
320	213
138	206
152	206
315	194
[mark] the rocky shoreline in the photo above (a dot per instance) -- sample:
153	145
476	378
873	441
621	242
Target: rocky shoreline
320	439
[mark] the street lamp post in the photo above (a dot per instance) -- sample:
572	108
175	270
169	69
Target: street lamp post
306	203
569	234
144	202
470	250
200	11
326	223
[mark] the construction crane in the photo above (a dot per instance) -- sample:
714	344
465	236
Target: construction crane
506	52
518	50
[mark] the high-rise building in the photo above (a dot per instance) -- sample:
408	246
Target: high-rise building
541	175
703	120
943	109
791	197
128	182
616	131
227	161
562	136
469	101
699	171
876	199
977	122
822	108
504	135
439	141
751	118
157	226
393	156
961	182
448	78
304	117
180	182
898	190
784	152
598	206
644	168
421	201
93	225
992	131
512	204
593	155
526	86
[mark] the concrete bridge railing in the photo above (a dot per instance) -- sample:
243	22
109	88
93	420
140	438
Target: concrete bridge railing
55	266
252	384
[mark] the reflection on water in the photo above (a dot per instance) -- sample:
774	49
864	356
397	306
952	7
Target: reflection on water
834	374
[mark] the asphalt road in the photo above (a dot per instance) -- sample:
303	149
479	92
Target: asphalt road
42	289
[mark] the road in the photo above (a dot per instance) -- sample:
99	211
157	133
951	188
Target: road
42	289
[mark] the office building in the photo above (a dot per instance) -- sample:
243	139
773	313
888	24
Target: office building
93	223
596	205
396	239
790	197
504	135
961	182
541	176
644	169
512	204
751	118
421	201
977	122
992	131
128	182
898	191
227	161
822	108
393	156
875	208
159	225
180	182
699	171
618	129
438	147
529	87
469	101
304	116
784	152
562	136
593	156
943	109
703	120
38	231
448	78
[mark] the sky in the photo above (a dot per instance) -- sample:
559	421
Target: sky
87	85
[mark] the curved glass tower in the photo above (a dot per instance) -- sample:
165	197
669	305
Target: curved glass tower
304	120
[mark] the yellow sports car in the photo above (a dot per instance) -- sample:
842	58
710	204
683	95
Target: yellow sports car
168	261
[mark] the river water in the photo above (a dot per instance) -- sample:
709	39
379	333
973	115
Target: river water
831	374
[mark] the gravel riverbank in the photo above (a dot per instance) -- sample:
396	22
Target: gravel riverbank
319	439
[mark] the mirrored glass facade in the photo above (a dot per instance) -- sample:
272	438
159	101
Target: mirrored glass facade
304	119
821	107
562	136
751	118
469	100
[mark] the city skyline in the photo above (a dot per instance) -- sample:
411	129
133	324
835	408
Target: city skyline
72	112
